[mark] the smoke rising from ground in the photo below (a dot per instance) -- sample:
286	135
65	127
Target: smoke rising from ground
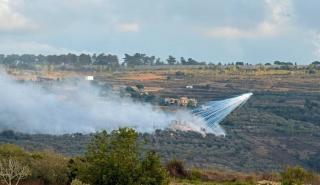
75	107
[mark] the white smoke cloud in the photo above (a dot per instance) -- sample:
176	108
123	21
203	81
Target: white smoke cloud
75	107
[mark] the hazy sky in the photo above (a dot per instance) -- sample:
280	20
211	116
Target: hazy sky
213	30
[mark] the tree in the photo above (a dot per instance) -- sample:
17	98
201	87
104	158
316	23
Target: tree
84	59
171	60
315	63
138	59
183	61
112	159
71	59
11	59
283	63
12	171
239	63
153	171
115	159
191	61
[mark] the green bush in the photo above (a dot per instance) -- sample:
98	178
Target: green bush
194	174
296	176
115	159
153	173
50	167
77	182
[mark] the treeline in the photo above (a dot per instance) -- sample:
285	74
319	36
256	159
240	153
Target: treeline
109	60
28	60
112	62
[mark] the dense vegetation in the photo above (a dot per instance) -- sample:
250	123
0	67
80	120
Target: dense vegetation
109	159
117	158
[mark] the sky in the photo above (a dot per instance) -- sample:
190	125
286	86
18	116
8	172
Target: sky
254	31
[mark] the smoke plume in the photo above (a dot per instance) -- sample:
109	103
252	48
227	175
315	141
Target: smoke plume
72	107
76	107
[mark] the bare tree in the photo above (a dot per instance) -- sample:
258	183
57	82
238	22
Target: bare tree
12	171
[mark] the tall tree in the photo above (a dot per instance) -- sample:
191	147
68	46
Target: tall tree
183	61
84	59
171	60
115	159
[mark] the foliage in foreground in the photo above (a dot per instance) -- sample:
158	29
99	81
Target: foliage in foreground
77	182
49	167
115	159
298	176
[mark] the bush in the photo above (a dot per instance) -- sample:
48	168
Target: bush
13	151
153	171
77	182
115	159
50	167
296	176
176	169
195	175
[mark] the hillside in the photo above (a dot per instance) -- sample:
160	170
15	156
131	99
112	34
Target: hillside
278	126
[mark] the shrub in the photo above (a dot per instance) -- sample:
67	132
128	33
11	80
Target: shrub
296	176
50	167
176	169
115	159
13	151
152	170
195	175
77	182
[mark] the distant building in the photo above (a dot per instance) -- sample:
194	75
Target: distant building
89	78
171	101
182	101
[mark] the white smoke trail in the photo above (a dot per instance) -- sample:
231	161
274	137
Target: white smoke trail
215	111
